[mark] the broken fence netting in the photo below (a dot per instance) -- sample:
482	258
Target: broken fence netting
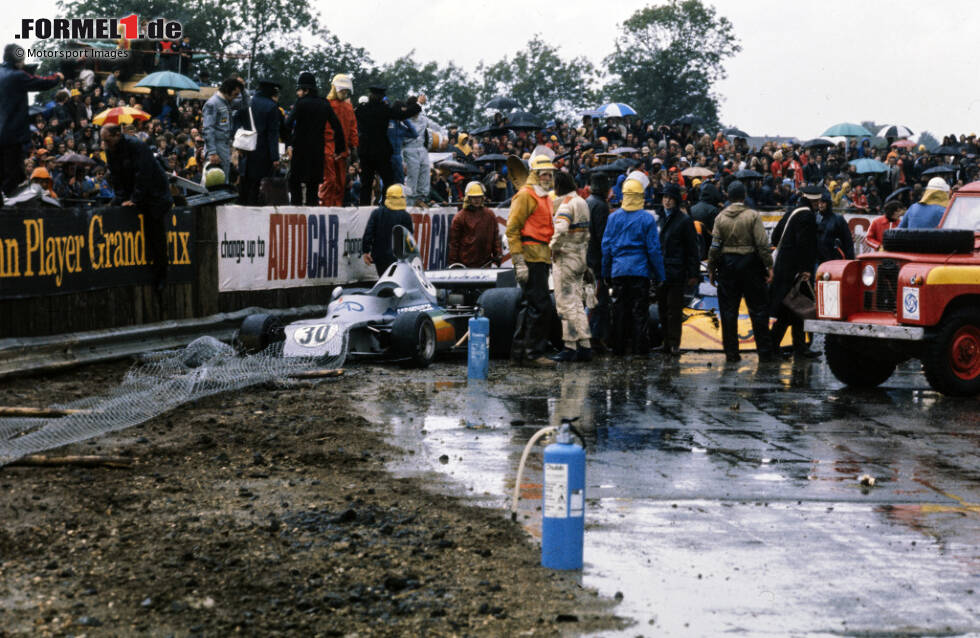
160	382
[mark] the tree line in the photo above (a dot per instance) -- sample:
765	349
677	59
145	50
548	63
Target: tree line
666	60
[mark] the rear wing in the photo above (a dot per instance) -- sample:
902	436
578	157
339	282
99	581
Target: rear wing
458	278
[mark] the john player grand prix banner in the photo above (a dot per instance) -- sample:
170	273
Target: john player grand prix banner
287	246
62	250
277	247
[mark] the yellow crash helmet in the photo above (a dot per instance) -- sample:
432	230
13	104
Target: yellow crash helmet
474	189
541	163
395	197
632	187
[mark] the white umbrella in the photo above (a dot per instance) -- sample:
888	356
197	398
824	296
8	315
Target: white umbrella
615	109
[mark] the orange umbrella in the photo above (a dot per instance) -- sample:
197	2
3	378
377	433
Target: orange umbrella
120	115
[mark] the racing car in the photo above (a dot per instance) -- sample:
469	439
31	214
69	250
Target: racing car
408	315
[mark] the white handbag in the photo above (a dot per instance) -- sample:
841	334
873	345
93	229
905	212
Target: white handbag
245	140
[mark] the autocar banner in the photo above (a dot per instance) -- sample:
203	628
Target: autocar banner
288	246
64	250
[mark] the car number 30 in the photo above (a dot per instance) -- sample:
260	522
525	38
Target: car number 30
312	336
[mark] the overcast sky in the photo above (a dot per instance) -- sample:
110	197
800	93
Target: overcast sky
803	66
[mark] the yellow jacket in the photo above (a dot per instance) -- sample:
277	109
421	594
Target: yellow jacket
521	207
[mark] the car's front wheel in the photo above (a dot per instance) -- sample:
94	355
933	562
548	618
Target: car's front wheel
257	332
952	361
854	365
413	339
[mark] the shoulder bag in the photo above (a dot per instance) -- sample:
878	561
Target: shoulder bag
797	300
246	140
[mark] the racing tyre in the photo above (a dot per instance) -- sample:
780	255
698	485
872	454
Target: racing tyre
952	361
500	306
413	339
856	366
257	332
941	241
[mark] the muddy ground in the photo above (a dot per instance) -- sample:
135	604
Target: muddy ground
265	512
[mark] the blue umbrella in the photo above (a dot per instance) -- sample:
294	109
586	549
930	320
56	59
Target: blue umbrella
848	130
867	165
615	109
168	80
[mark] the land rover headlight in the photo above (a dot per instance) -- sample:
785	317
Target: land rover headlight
868	275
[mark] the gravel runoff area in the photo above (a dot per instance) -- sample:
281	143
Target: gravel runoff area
266	512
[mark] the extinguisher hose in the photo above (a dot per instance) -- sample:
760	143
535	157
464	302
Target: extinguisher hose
520	468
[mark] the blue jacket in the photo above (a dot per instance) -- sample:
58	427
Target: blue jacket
631	246
14	86
398	132
922	216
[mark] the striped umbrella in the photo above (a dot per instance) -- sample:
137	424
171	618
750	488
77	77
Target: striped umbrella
895	130
615	109
120	115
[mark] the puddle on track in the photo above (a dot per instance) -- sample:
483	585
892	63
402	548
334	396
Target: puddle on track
727	500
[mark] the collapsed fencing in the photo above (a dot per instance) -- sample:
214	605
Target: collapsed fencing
160	382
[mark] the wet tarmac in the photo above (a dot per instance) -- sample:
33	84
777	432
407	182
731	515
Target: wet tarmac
728	499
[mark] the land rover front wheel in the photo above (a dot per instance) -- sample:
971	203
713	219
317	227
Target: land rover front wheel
856	366
952	361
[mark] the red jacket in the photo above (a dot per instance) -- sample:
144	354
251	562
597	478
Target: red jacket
877	230
345	113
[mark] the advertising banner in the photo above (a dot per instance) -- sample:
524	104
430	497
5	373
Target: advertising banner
262	248
59	250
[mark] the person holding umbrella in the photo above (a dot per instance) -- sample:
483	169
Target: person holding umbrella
15	83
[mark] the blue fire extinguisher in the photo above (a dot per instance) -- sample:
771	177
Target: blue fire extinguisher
478	351
563	507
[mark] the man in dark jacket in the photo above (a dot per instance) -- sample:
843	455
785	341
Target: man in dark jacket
264	160
740	260
311	124
705	211
834	239
15	130
682	267
598	215
796	238
139	181
374	149
376	243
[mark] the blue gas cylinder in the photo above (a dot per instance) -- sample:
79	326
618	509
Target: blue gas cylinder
563	507
478	354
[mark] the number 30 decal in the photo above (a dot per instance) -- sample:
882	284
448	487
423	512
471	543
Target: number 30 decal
312	336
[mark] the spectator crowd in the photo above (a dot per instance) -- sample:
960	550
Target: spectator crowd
390	147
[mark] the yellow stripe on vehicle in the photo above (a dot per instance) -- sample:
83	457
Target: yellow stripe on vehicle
954	275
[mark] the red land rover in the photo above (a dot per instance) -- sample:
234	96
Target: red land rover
919	298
